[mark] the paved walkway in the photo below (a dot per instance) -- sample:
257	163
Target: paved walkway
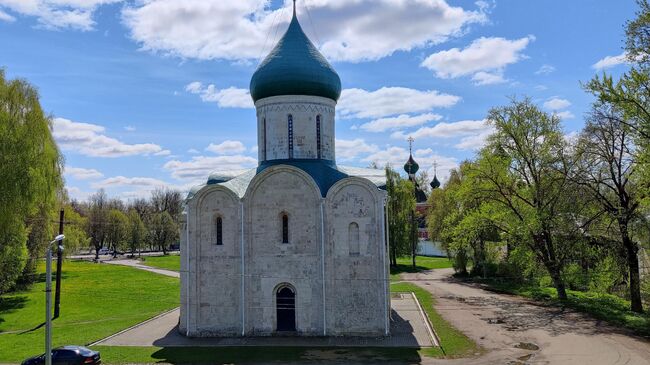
136	264
408	329
510	328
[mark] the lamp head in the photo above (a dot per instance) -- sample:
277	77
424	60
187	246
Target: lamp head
59	238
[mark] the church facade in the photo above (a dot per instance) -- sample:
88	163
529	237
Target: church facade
297	245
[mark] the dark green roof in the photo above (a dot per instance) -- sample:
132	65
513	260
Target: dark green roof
435	183
295	67
324	172
411	167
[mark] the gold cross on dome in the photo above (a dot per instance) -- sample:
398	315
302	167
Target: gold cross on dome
411	140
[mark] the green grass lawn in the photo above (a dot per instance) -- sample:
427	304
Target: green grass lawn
404	264
169	262
607	307
97	300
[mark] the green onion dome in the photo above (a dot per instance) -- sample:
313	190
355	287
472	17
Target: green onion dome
411	167
295	67
435	183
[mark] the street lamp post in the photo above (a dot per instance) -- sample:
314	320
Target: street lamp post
48	299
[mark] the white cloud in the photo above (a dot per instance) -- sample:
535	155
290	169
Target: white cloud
129	128
488	78
199	167
227	148
545	70
76	193
541	87
401	121
387	101
347	31
565	115
447	130
610	61
349	149
56	14
483	54
474	142
193	151
557	104
231	97
122	181
82	174
6	17
88	140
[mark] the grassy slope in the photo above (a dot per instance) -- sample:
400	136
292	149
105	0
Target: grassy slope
404	264
170	262
97	300
609	308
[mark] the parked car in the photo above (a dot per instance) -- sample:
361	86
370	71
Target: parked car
68	355
104	251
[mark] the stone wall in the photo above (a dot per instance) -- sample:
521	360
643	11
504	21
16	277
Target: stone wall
269	262
274	111
349	251
356	267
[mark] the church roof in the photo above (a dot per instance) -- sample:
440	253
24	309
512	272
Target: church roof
295	67
435	183
411	167
325	174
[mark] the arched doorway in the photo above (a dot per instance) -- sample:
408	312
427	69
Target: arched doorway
285	303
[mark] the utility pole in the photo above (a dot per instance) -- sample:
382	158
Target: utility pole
59	263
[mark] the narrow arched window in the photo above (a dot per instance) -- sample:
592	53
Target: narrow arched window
285	228
264	139
290	129
318	148
219	228
353	238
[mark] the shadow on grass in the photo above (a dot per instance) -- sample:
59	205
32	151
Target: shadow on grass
243	355
11	304
401	268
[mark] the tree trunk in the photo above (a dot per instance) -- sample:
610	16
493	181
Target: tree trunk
636	304
545	247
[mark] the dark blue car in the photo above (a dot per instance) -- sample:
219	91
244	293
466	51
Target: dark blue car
68	355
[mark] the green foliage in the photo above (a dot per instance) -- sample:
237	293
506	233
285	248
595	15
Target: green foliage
97	301
76	238
117	230
401	205
30	176
163	231
137	231
13	254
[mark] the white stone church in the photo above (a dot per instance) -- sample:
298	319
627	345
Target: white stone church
297	245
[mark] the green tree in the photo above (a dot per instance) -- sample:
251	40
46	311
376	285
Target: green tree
609	172
401	204
30	175
523	171
137	231
117	230
163	231
97	220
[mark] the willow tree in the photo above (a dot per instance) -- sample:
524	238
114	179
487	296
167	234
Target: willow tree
30	176
401	204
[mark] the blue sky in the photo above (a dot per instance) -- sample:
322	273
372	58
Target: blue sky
150	93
